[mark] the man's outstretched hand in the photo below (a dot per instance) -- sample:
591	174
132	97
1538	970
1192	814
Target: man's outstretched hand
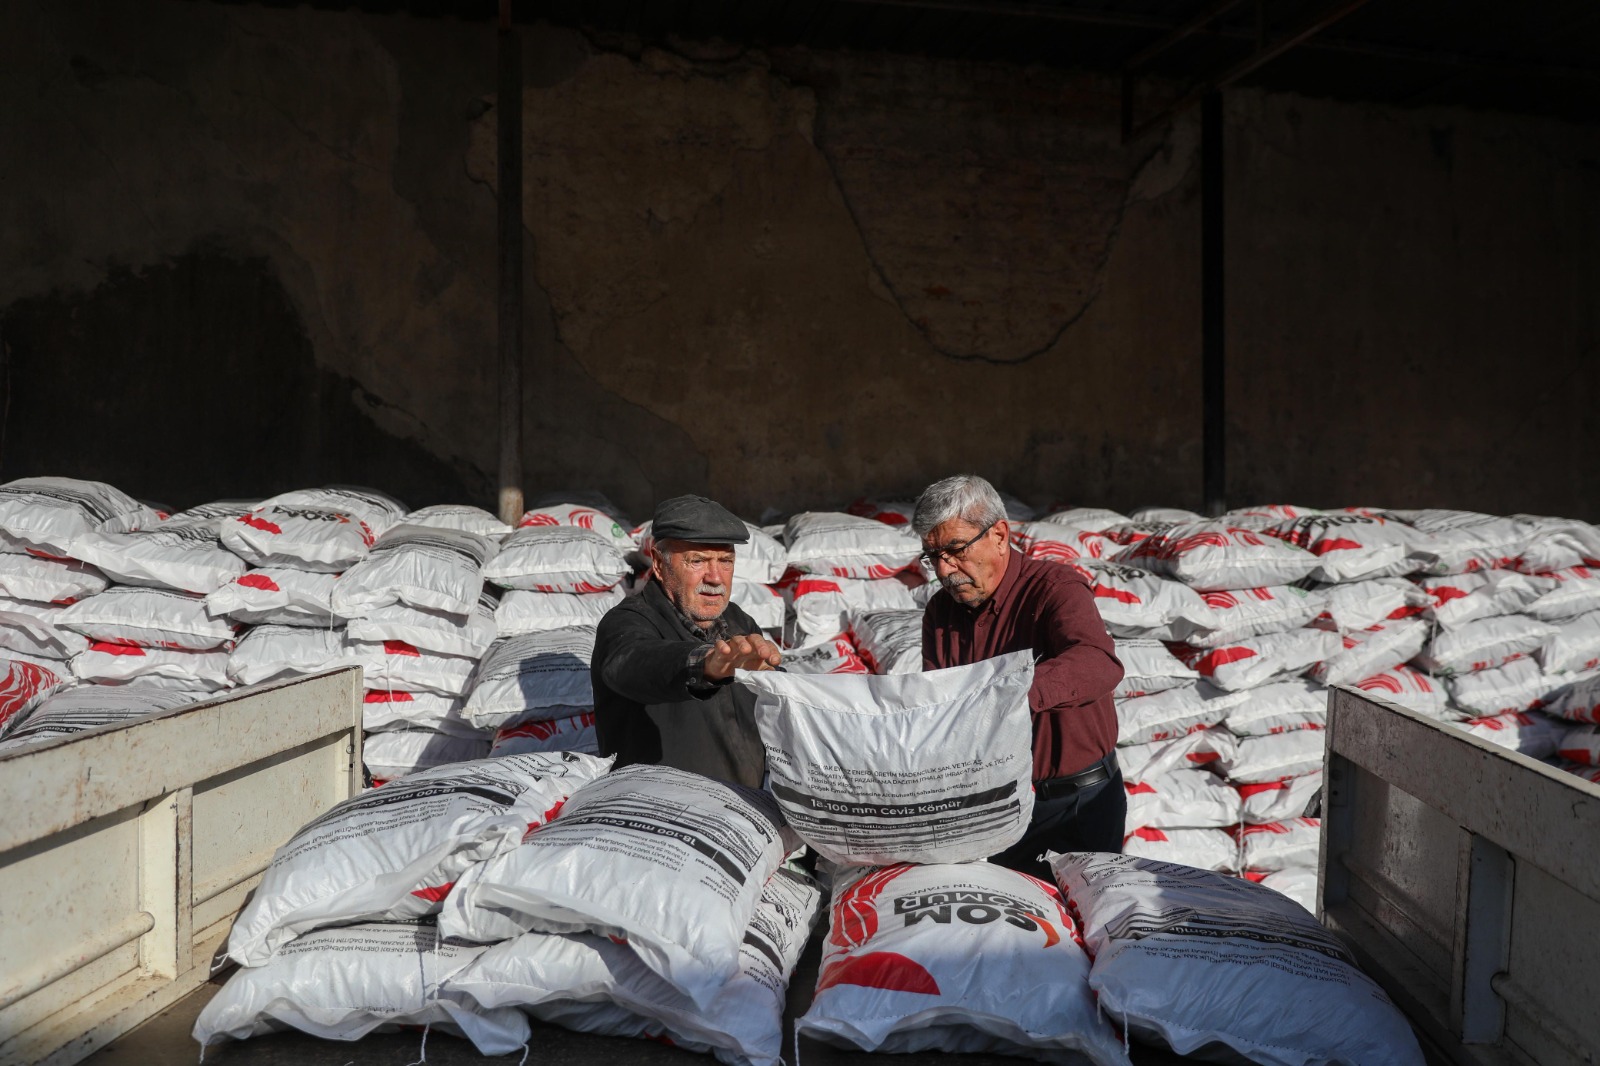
753	652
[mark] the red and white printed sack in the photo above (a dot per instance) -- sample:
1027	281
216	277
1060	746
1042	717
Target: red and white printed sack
276	596
417	566
392	853
1281	845
573	733
49	514
842	545
1173	713
1203	963
1211	556
1255	661
1182	799
933	958
558	558
1372	650
1280	801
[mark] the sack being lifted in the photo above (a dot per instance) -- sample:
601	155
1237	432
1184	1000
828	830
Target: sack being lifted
929	767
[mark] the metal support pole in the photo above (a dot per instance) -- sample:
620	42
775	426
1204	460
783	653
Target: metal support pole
508	105
1212	335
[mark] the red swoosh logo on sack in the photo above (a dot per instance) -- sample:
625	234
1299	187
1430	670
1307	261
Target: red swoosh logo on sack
260	523
879	969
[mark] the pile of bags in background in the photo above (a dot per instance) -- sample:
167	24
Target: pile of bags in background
476	638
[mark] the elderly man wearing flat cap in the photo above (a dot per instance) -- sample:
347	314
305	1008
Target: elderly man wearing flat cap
664	659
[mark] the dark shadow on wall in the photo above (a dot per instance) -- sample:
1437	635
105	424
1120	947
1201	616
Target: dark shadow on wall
189	381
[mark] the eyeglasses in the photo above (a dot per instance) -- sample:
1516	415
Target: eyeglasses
951	554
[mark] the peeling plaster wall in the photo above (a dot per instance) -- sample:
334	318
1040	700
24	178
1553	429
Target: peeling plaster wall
244	249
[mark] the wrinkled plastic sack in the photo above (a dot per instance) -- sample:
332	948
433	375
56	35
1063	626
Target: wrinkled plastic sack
1457	599
326	530
835	655
1413	688
878	769
276	596
842	545
393	852
1557	544
1254	661
398	753
459	516
429	569
1212	556
572	733
32	629
579	516
24	684
49	514
521	612
1574	648
1094	519
1060	543
28	577
74	710
149	618
1173	713
1528	732
1279	708
1485	643
764	605
1280	801
670	861
1372	651
1519	685
185	556
399	665
1360	604
267	653
890	641
1281	845
592	984
385	709
823	605
341	984
1148	666
1244	613
466	636
1136	603
1356	547
1202	749
1274	757
1576	701
1204	849
1191	959
1461	542
557	558
1581	744
107	663
1182	799
967	957
532	677
1567	594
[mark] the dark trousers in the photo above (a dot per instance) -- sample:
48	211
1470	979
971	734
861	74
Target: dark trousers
1088	819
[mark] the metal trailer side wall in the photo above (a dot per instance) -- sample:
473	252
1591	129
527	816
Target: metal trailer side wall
1467	877
126	851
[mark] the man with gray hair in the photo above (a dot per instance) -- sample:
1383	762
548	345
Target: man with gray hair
994	600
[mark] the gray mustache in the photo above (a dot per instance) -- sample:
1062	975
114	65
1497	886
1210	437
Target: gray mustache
955	581
711	590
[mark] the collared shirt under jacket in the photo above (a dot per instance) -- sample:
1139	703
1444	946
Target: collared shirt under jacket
1047	609
652	704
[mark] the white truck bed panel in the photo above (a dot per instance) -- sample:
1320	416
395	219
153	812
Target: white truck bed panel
125	851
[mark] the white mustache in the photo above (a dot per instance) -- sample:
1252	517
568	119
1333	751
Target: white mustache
955	581
711	590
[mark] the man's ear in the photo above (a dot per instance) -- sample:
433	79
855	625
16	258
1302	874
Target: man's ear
655	564
1004	526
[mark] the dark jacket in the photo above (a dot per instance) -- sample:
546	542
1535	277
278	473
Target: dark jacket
648	708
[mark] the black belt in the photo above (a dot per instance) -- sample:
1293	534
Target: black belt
1061	787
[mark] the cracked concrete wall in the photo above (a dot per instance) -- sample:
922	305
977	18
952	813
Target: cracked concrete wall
258	245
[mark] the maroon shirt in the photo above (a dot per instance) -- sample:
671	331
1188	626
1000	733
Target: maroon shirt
1045	608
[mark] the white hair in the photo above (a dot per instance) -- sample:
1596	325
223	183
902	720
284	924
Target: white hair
964	496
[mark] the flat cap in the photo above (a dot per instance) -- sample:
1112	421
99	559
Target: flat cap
697	519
